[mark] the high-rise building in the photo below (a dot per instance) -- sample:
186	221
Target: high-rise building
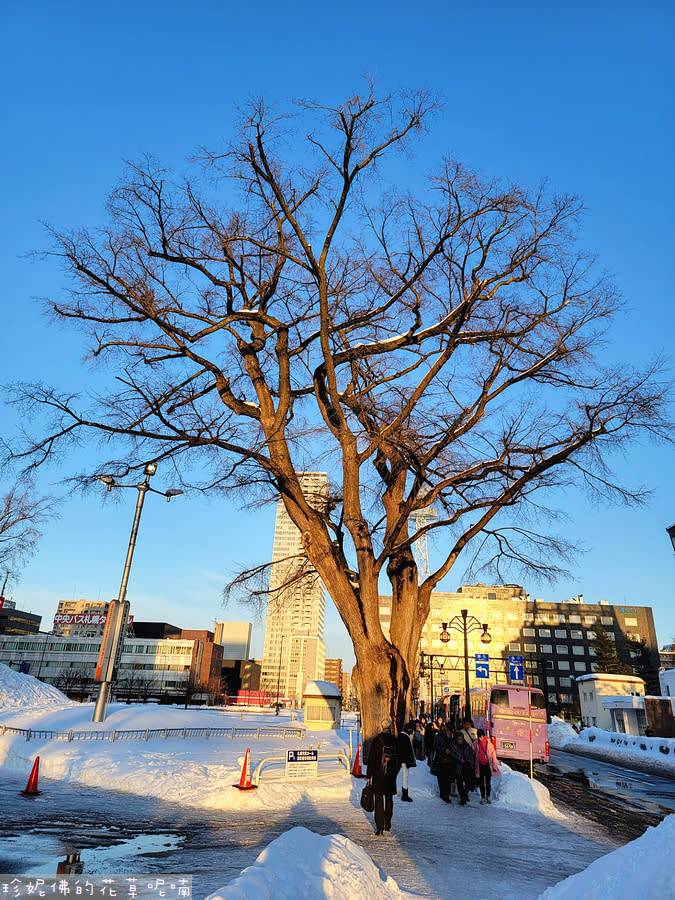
81	618
235	638
294	651
333	672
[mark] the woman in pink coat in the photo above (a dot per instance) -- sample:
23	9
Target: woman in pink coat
486	764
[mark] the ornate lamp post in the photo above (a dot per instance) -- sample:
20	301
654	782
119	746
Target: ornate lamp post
427	662
118	610
465	624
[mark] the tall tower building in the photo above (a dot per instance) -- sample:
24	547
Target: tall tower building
294	651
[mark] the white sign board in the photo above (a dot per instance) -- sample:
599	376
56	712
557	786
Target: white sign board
302	765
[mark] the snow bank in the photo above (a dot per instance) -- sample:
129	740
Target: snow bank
515	791
624	749
302	865
18	691
642	868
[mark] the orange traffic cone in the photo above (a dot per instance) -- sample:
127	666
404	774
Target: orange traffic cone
245	780
356	768
32	786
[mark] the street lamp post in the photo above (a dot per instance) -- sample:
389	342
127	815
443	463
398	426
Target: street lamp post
423	668
118	610
281	647
466	624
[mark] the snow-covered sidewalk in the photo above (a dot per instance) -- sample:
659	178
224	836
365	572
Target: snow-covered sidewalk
515	848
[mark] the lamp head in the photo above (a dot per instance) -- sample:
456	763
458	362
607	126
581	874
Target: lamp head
485	637
445	635
172	492
107	480
150	468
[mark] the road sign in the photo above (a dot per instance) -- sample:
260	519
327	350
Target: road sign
482	665
302	765
516	668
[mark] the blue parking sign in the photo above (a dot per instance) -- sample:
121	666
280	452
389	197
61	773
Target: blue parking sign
482	665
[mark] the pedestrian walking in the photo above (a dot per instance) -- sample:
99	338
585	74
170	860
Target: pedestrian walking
442	765
470	735
486	764
382	768
406	756
464	765
430	732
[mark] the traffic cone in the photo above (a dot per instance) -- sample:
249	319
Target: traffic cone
32	786
245	780
356	768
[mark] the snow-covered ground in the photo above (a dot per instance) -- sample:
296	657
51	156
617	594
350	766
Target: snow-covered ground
652	753
200	772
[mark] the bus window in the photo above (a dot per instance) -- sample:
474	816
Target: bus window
537	701
499	698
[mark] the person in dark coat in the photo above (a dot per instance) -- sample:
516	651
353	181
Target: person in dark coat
429	738
382	768
442	765
406	757
464	765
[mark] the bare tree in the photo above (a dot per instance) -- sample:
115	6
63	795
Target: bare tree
22	515
436	349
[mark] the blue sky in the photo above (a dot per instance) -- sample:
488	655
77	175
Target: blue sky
581	94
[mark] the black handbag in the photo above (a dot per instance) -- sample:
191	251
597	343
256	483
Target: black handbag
368	797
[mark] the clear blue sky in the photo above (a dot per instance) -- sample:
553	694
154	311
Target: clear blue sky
579	93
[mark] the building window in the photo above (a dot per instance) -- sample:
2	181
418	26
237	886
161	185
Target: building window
576	635
633	636
610	635
561	633
630	622
531	664
580	667
530	648
528	632
606	620
589	620
562	648
574	620
546	648
548	663
544	632
563	665
578	649
565	698
515	647
550	681
566	682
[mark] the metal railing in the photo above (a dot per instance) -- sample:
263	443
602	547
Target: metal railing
340	756
145	734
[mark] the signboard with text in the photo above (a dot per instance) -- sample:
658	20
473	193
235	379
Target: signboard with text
516	668
482	665
302	765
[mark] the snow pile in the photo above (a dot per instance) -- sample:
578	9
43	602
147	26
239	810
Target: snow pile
642	868
18	691
515	791
656	753
560	732
302	865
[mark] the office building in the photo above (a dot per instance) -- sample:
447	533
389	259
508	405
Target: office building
553	639
17	621
294	651
235	639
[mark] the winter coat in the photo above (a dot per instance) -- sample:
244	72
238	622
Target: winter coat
430	733
406	754
489	750
442	758
384	782
470	736
461	757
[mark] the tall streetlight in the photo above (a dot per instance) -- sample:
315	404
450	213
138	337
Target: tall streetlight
281	647
466	624
423	667
118	610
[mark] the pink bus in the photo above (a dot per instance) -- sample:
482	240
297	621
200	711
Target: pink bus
510	714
